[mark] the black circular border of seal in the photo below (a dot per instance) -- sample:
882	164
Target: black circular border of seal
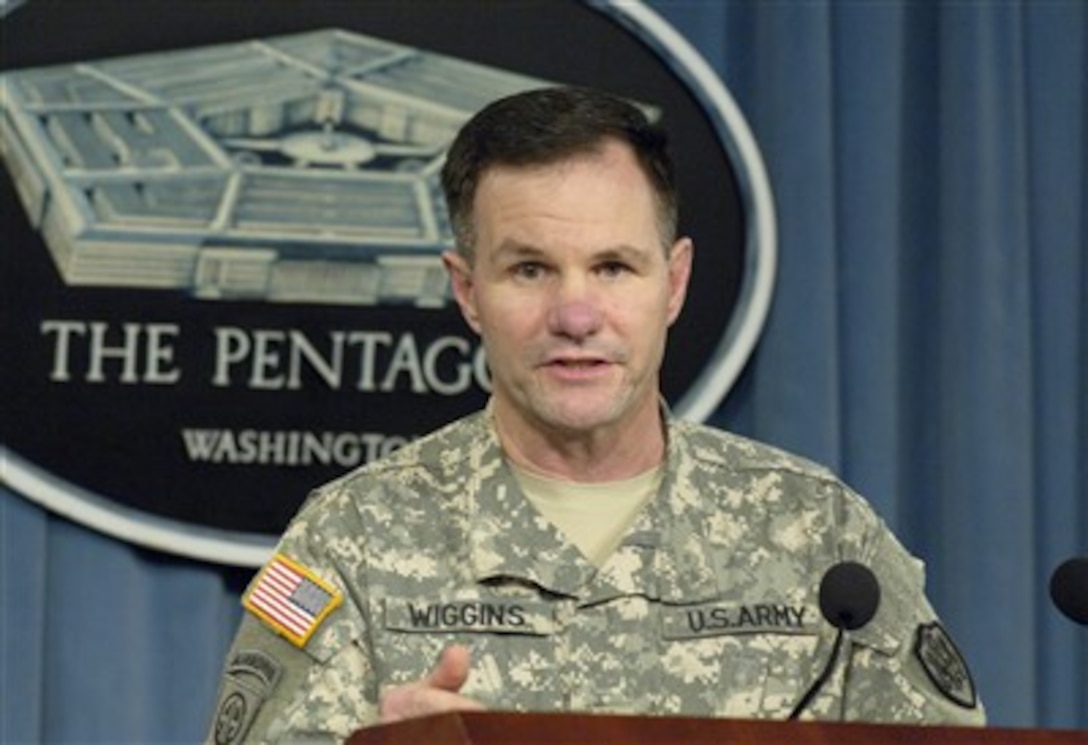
701	398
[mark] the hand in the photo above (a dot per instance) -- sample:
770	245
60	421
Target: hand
436	693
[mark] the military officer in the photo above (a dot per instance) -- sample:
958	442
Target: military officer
573	547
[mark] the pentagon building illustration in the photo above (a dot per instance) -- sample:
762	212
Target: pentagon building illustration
301	168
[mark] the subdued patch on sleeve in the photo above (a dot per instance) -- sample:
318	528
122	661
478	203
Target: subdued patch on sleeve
945	665
250	679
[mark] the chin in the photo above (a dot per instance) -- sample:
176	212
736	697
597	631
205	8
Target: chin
581	420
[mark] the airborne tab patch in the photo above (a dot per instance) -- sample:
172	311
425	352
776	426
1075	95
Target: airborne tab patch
251	677
291	599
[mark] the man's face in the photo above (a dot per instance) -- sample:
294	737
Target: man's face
571	292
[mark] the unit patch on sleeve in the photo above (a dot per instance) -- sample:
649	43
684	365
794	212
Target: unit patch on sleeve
945	665
291	599
251	677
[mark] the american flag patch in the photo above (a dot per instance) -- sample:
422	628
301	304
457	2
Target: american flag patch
291	599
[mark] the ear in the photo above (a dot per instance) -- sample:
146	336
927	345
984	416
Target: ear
680	258
460	274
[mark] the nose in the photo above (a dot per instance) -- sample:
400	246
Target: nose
576	313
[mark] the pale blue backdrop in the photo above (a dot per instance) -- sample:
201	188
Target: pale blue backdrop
928	339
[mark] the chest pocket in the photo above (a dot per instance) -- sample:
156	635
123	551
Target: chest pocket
742	660
511	641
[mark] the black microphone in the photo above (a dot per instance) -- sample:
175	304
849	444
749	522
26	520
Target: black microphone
849	597
1069	589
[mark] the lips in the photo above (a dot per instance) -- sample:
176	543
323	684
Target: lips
577	369
580	359
578	363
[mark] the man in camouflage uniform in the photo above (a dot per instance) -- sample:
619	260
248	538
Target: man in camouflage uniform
573	547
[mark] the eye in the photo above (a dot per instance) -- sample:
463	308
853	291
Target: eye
528	270
613	269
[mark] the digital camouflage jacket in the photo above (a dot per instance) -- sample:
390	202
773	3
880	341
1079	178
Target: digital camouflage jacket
708	608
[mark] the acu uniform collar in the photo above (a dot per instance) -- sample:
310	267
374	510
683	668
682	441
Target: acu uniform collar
663	556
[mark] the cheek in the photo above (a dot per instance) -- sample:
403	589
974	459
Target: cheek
639	321
507	320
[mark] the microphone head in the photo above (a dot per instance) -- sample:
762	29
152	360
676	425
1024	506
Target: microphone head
849	595
1069	589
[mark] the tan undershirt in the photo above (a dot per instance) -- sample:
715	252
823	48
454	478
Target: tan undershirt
593	516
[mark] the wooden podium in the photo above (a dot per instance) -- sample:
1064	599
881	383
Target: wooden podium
492	728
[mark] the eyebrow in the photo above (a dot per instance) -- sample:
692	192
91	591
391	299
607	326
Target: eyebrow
514	250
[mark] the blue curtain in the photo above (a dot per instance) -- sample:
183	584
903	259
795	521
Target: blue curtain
928	339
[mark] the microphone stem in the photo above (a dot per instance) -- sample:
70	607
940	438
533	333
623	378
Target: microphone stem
819	682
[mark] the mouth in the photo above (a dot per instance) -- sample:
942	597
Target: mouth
574	369
581	360
578	363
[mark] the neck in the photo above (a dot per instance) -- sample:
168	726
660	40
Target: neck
611	453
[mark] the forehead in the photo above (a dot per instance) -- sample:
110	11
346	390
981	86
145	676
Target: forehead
593	187
608	150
